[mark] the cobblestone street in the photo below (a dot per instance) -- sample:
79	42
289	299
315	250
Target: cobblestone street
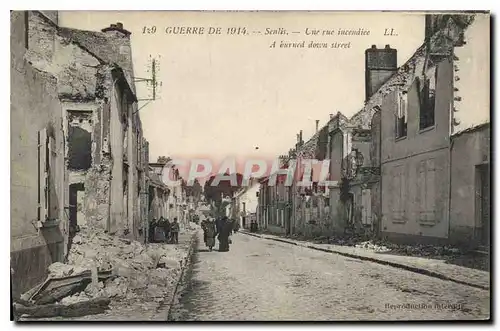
261	280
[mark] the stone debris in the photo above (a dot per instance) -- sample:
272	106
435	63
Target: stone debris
139	273
58	270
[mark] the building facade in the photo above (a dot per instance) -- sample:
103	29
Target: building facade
417	124
244	204
396	167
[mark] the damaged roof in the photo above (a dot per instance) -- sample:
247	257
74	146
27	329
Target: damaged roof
104	46
406	74
101	44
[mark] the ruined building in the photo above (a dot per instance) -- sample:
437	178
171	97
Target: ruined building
86	159
399	162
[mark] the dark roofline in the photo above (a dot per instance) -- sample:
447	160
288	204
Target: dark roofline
60	29
121	78
156	164
115	27
418	52
73	41
45	18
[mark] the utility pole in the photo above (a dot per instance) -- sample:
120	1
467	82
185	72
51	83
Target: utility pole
152	84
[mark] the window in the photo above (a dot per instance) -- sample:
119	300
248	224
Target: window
79	139
427	192
402	115
427	90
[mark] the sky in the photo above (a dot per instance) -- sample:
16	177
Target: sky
225	95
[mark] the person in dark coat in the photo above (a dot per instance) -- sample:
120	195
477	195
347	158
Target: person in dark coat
204	225
210	232
166	228
218	224
225	230
174	230
152	227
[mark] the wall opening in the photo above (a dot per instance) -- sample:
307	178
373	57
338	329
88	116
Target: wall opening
79	140
76	192
483	203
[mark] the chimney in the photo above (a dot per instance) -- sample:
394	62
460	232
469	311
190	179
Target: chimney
317	125
380	65
300	135
117	27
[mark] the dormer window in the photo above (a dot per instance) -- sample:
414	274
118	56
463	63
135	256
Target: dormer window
402	114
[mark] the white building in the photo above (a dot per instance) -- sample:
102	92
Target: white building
245	203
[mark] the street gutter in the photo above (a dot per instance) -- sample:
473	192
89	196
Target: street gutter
185	265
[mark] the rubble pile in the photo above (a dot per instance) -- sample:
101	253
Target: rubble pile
104	266
383	246
411	250
138	269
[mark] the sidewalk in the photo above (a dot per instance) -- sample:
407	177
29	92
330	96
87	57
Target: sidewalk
430	267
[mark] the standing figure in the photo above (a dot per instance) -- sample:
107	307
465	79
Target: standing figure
159	234
236	226
210	232
204	225
174	230
166	228
225	230
218	224
151	234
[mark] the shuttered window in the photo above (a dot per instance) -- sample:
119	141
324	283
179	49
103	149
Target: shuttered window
366	202
47	154
427	192
399	194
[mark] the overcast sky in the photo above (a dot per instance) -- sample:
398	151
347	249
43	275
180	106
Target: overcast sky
225	95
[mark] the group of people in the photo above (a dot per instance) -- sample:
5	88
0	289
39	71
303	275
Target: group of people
163	230
222	228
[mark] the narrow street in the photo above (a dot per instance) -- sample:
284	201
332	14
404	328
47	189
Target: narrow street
261	280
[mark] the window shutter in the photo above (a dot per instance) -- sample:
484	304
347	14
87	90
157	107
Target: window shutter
421	190
52	161
402	180
43	176
430	182
396	193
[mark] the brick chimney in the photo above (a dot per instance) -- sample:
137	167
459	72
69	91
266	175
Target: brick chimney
317	125
380	65
117	27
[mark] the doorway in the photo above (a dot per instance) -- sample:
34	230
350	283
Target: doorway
76	193
483	190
